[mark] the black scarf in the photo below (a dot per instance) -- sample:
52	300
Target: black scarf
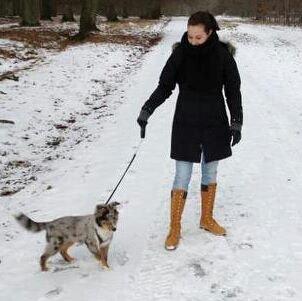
202	49
201	64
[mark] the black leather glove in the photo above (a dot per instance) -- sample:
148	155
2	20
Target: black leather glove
142	120
235	133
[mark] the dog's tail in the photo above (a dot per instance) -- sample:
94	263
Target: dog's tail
29	224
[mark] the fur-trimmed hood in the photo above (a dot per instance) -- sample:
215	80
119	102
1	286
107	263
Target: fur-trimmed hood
227	44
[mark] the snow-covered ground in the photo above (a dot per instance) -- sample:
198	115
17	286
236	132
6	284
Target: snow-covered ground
63	103
259	188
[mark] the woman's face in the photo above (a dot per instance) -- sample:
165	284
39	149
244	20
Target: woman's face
197	34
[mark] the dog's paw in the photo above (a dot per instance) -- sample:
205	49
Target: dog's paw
105	267
71	259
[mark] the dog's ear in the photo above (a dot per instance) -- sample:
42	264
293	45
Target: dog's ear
114	204
100	208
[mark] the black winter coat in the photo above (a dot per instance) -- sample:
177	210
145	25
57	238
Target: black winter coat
200	121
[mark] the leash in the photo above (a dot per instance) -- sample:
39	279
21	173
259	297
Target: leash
125	171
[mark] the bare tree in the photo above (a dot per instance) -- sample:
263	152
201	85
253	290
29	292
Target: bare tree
125	8
4	8
150	9
54	7
10	8
278	11
67	8
46	9
30	13
287	12
16	7
188	7
110	10
88	18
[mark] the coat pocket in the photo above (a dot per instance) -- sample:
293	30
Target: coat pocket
216	139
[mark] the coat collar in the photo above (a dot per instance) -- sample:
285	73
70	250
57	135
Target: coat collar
200	49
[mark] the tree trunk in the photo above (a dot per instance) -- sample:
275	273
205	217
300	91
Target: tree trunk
68	11
54	7
288	9
125	11
46	9
6	8
16	8
110	11
30	13
150	9
88	18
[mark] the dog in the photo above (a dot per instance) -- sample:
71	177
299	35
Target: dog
95	230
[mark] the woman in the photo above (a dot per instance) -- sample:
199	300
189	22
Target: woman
202	66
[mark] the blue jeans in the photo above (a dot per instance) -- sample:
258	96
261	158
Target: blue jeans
184	172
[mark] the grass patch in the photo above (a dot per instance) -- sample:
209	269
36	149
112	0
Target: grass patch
57	36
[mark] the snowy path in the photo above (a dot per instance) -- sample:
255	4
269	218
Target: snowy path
258	195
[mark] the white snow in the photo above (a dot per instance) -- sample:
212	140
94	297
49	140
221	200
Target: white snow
10	64
259	188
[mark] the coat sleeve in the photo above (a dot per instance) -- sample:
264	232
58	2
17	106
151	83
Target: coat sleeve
167	82
232	91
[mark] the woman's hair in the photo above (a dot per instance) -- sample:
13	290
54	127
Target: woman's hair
204	18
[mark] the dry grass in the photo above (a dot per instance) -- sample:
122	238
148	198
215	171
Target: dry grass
226	24
6	53
118	39
57	36
54	35
41	38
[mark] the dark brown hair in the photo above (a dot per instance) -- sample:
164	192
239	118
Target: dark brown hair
204	18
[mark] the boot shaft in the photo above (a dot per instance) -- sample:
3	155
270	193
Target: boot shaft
207	220
208	193
178	200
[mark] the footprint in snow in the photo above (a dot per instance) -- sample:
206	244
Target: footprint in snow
231	292
54	292
64	268
197	269
245	245
122	258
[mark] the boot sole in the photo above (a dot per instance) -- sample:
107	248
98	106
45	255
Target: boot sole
170	248
212	232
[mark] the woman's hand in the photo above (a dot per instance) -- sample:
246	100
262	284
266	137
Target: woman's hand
235	133
236	137
142	120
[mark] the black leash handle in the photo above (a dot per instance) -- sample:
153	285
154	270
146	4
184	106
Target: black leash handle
123	174
143	132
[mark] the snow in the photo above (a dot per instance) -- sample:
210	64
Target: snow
7	65
259	188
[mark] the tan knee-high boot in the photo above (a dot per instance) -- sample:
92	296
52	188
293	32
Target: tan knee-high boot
207	221
178	199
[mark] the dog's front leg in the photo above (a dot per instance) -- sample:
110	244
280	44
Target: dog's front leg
93	249
106	253
103	252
